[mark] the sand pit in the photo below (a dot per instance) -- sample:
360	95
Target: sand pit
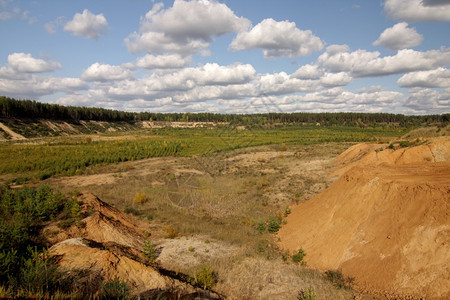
384	222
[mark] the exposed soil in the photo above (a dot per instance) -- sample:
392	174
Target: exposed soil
385	221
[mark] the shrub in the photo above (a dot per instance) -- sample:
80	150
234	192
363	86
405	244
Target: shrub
405	144
274	225
308	294
283	147
39	272
150	253
261	227
298	257
338	279
171	232
205	278
115	289
140	198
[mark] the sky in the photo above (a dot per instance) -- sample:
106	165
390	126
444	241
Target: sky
229	56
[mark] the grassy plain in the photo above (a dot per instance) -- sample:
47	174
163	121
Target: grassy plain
221	185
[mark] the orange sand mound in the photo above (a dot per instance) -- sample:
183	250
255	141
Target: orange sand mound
384	222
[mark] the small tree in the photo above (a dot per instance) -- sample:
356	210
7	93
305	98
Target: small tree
150	253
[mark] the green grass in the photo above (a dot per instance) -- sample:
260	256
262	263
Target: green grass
71	156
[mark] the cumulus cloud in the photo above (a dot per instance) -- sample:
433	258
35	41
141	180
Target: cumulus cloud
105	72
437	78
418	10
25	63
308	72
36	86
185	28
282	83
399	37
435	2
278	39
87	25
362	63
428	101
336	79
166	61
185	81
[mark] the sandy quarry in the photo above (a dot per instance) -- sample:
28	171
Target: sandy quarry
385	221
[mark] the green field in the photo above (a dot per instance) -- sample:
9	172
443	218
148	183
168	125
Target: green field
77	155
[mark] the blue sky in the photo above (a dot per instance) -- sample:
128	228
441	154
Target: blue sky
229	56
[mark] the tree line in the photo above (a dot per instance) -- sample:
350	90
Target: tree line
28	109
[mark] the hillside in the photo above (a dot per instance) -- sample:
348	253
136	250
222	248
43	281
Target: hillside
385	222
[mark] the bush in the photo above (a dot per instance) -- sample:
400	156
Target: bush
338	279
171	232
308	294
274	225
150	253
140	198
405	144
39	273
298	257
261	227
115	289
205	278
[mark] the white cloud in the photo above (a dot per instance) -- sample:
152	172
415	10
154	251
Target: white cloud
16	12
185	28
36	86
308	72
278	39
361	63
25	63
185	81
87	25
281	83
336	79
399	37
167	61
418	10
51	27
105	72
428	101
439	77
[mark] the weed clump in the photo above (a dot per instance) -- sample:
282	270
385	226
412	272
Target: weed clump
140	198
274	225
115	289
298	257
338	279
308	294
205	278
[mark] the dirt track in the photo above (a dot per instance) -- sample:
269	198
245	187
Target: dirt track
385	222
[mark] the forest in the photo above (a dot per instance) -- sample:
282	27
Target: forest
13	108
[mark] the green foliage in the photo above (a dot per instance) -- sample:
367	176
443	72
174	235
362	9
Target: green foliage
39	273
24	264
308	294
404	144
338	279
115	289
298	257
205	278
261	227
274	224
150	253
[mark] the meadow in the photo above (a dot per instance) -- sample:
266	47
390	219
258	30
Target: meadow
75	155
